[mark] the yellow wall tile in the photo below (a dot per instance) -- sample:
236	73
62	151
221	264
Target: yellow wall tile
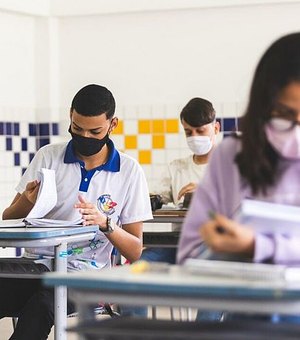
158	141
145	157
158	126
130	142
144	126
119	129
172	125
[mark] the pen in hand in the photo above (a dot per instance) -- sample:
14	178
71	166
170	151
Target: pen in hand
219	228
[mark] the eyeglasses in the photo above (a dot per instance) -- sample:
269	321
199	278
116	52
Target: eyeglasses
282	124
283	119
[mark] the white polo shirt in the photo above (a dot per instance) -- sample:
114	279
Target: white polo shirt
118	188
179	173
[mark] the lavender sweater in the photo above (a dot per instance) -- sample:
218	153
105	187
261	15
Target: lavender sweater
222	191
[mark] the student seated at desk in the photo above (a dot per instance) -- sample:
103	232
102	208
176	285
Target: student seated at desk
261	163
198	119
114	196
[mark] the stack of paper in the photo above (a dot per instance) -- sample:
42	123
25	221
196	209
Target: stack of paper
45	202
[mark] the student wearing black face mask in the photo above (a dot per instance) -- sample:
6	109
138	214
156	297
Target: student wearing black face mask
106	187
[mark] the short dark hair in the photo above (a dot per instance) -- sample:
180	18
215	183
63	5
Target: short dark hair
94	100
198	112
278	67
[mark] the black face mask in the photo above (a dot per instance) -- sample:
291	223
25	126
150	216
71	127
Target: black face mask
87	146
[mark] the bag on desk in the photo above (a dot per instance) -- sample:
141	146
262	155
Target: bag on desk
156	202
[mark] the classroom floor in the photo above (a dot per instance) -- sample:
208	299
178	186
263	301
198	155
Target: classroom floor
6	326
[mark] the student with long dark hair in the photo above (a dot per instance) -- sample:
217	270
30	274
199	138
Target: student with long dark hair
262	163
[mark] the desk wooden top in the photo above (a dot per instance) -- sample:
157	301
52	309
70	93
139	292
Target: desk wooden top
170	212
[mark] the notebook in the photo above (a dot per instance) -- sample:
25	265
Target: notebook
269	217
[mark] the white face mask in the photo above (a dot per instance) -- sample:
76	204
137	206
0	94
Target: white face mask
199	145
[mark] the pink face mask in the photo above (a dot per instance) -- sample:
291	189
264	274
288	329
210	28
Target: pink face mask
286	143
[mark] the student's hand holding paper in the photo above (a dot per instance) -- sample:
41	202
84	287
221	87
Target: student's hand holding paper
31	191
224	235
90	213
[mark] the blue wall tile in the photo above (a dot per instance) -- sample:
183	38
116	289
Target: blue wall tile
16	158
44	129
55	129
229	124
16	129
8	128
1	128
24	144
9	144
32	129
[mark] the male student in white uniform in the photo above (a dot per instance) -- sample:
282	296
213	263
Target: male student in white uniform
94	180
198	119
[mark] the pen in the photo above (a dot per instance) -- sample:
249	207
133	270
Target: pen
219	228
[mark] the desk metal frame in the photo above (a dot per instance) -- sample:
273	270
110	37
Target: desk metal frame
160	229
59	239
178	288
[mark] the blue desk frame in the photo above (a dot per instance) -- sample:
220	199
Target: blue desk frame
59	239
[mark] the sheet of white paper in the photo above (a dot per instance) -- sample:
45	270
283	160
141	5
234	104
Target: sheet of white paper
47	195
12	223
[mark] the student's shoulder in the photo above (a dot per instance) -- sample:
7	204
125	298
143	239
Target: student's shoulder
228	148
54	149
127	161
181	162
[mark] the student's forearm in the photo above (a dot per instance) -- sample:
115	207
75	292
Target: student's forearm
18	209
128	245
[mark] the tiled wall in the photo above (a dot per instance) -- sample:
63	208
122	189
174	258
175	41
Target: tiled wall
152	141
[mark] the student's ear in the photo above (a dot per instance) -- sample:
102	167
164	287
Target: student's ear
113	124
217	127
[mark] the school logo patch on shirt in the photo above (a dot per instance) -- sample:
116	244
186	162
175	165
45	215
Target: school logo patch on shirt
106	204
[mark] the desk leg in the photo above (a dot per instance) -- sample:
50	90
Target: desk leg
60	294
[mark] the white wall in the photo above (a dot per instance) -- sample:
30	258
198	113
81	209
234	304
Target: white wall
170	56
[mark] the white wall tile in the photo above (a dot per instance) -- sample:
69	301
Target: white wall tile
16	143
118	141
132	153
130	112
159	156
144	112
131	127
172	141
31	144
144	141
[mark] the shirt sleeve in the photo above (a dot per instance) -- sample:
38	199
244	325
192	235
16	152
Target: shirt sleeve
277	248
